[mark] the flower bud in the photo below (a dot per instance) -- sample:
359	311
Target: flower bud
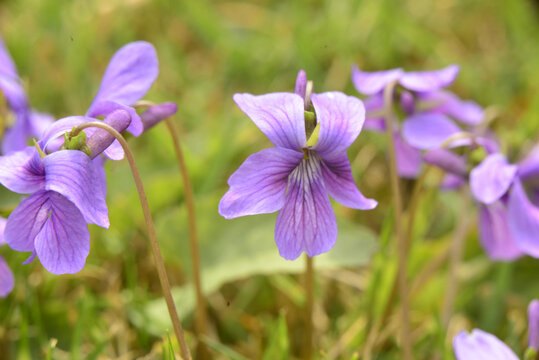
156	113
101	139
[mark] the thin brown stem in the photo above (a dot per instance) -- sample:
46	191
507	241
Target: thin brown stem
165	286
457	246
309	304
200	315
397	208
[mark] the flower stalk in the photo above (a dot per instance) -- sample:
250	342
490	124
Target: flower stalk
397	205
200	315
165	285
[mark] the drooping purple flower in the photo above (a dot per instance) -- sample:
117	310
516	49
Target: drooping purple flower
480	345
67	191
508	218
296	176
428	110
27	123
7	280
533	324
129	75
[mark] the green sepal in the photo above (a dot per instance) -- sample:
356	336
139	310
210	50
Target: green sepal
313	139
77	142
39	150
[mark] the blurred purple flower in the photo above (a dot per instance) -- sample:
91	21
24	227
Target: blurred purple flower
6	276
296	176
480	345
27	123
428	110
67	191
508	218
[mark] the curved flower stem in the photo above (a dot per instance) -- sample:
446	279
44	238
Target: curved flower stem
184	350
201	317
397	205
309	304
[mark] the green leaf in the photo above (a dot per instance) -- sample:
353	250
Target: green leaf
223	350
238	249
278	347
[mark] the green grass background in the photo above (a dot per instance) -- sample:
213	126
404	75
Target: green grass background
209	50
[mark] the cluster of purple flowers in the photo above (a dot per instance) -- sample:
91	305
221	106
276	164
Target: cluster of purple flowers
63	175
508	218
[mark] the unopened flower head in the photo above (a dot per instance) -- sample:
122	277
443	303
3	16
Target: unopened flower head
311	133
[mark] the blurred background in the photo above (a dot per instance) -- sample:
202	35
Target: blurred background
209	50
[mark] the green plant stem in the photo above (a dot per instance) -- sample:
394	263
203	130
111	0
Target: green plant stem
200	315
309	304
397	205
165	286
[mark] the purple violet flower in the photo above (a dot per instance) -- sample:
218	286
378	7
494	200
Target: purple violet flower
27	123
67	191
480	345
428	108
7	280
296	176
508	218
129	75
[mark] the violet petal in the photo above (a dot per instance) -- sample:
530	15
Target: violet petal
259	185
369	83
307	221
495	235
3	223
72	174
428	131
129	75
529	167
154	114
280	116
7	281
7	66
424	81
340	185
480	345
106	107
25	222
447	160
22	171
101	141
341	119
408	158
491	179
63	242
301	84
523	219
